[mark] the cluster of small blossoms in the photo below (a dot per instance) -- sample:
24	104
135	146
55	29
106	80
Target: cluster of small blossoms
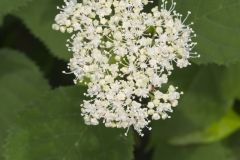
125	56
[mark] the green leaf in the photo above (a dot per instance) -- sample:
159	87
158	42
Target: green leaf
7	6
54	129
39	18
14	61
21	82
217	131
233	78
216	23
204	95
210	94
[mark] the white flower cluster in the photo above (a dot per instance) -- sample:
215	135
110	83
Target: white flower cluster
125	55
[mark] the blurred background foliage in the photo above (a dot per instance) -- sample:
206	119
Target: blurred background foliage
39	106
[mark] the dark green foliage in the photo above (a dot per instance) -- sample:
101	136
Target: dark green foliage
38	122
56	131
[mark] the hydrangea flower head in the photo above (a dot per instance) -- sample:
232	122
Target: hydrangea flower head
125	56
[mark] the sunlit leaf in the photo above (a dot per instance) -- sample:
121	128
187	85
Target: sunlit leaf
227	125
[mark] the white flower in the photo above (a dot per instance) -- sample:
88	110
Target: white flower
127	55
